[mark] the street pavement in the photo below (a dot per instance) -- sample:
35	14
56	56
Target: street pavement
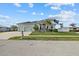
38	48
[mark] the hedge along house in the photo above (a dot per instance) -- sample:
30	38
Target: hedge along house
28	26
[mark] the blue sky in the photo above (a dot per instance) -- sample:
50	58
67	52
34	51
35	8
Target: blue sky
12	13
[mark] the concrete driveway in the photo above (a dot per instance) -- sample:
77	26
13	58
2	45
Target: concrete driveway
6	35
38	48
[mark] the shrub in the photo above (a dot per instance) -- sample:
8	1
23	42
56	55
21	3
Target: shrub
55	30
36	28
72	30
77	30
50	30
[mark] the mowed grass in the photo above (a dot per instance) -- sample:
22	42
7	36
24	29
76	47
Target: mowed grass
57	36
45	38
54	33
54	36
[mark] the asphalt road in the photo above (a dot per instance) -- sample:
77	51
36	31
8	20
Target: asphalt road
38	48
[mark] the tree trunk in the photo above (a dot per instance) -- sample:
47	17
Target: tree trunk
40	28
47	28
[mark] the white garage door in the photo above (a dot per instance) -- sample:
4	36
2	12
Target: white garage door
29	29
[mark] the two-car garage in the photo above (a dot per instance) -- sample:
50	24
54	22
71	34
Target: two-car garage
26	27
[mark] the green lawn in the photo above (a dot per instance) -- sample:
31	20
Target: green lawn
54	36
54	33
46	38
58	36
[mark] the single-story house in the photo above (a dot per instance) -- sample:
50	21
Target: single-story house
67	29
64	29
4	29
28	26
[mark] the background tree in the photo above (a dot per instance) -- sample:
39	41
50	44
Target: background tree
73	26
52	23
56	21
14	28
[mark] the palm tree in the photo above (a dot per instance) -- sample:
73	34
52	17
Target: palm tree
61	25
48	23
56	21
73	26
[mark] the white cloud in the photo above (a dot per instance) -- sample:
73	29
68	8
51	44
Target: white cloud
7	17
56	8
68	16
31	5
74	9
48	4
73	4
22	11
49	16
33	13
58	5
53	5
3	17
17	4
41	13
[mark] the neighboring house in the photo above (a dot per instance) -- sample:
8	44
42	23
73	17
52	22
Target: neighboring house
67	29
4	29
64	29
28	26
